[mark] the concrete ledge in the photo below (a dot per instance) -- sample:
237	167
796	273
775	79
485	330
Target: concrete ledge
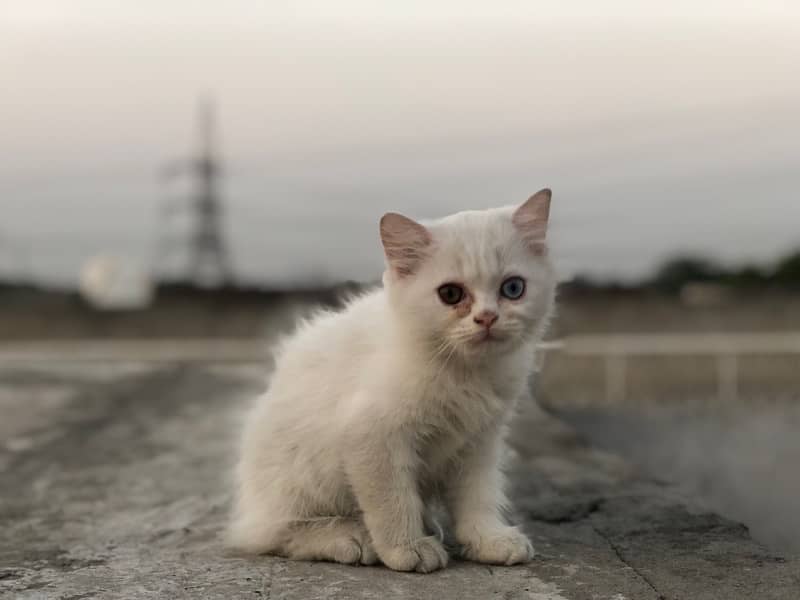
114	486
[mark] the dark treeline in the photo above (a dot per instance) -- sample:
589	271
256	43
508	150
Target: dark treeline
670	278
677	272
674	274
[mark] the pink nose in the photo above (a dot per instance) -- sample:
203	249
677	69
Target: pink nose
487	318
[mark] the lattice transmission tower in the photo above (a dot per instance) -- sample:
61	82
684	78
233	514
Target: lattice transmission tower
208	261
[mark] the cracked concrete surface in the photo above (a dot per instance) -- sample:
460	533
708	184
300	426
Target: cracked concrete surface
115	484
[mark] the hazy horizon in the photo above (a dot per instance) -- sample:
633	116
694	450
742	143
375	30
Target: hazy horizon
661	131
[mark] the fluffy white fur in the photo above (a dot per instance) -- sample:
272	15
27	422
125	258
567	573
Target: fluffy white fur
400	401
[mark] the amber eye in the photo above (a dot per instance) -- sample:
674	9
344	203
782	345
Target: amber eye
450	293
513	288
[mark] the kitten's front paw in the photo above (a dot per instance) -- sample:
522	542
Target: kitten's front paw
506	546
423	555
352	551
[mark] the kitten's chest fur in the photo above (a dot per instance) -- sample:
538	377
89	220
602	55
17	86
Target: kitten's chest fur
458	412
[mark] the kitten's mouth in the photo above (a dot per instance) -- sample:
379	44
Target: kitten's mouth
485	337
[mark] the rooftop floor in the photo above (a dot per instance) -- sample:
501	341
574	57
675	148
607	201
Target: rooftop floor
115	483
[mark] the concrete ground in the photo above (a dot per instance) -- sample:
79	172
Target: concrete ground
114	483
736	458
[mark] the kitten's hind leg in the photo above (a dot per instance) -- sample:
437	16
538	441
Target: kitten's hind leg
337	539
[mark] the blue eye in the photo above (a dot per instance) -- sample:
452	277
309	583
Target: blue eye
513	288
450	293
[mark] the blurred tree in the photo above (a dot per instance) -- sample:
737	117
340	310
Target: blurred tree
678	272
787	271
749	276
675	273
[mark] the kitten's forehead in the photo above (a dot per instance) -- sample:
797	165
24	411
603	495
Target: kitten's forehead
478	243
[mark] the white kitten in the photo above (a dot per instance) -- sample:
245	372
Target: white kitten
402	400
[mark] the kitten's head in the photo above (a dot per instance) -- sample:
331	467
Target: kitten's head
474	284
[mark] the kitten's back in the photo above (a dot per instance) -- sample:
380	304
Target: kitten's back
330	349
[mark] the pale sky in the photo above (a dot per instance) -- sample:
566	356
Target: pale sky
661	127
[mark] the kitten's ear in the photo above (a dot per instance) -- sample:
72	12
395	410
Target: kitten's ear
405	243
531	220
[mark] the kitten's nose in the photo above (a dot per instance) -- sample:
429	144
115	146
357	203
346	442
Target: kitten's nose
487	318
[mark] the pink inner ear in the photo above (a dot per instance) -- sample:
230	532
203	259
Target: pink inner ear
531	220
405	243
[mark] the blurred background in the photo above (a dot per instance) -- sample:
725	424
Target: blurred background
180	179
